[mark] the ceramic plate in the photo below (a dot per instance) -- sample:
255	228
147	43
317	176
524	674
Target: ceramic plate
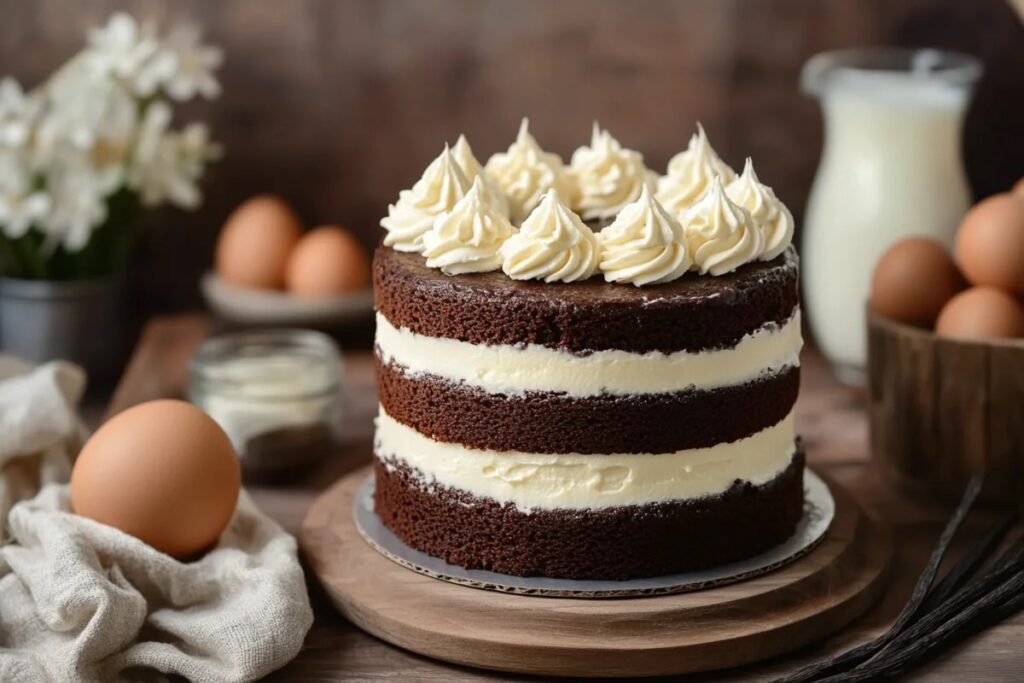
263	307
819	509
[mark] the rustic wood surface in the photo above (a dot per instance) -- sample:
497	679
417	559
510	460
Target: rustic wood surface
705	630
339	104
942	409
830	417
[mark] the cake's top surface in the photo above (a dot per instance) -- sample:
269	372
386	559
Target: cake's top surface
691	288
692	313
523	213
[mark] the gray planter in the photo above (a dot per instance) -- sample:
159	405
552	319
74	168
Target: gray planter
80	321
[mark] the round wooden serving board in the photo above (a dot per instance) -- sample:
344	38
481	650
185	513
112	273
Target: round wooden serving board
671	634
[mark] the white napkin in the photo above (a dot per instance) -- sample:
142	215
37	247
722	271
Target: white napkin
40	432
81	601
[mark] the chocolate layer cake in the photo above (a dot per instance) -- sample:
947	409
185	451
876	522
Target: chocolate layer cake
537	418
523	429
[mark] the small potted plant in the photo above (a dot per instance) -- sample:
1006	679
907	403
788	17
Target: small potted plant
83	157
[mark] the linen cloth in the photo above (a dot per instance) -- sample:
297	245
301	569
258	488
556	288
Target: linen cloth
82	601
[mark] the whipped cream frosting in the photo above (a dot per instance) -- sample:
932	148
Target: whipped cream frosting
644	245
515	370
553	245
526	172
533	481
467	238
463	154
606	177
770	214
690	173
721	235
442	185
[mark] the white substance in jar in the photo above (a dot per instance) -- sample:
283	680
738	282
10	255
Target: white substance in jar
272	392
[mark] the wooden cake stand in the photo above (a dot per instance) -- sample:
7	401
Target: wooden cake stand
670	634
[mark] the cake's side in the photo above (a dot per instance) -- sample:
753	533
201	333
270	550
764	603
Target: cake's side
509	455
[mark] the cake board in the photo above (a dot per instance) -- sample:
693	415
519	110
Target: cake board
711	629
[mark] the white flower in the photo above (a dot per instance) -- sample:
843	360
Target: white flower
18	111
167	165
79	202
86	108
21	206
193	65
129	52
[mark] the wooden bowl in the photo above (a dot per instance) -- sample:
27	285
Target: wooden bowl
943	408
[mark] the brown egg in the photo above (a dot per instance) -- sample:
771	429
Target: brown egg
256	241
163	472
982	313
1018	189
327	262
913	281
990	243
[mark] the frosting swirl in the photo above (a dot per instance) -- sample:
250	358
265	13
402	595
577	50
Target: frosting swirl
721	235
467	238
645	245
690	174
467	161
525	172
606	176
770	214
442	185
552	245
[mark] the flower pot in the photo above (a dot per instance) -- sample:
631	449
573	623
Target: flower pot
80	321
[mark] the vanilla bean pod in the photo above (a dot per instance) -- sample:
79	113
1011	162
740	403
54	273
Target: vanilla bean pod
971	561
1005	599
861	653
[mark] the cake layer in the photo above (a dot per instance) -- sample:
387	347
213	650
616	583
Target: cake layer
539	481
690	314
513	370
551	422
614	543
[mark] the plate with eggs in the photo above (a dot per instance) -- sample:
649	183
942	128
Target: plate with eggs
268	270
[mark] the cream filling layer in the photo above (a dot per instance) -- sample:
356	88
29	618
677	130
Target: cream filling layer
512	370
534	481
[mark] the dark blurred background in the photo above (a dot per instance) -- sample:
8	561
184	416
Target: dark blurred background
338	104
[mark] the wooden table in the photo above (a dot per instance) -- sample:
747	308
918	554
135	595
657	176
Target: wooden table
830	417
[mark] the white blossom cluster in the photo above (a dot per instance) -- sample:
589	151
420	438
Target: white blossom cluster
101	123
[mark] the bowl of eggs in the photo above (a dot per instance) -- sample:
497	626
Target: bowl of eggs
946	356
268	270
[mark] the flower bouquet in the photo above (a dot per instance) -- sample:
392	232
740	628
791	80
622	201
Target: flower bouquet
84	153
82	156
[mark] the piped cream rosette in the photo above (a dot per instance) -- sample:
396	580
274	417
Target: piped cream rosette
606	177
771	215
442	185
467	239
552	245
721	235
525	173
690	173
645	245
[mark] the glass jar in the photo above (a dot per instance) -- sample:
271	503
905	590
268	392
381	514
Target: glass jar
275	392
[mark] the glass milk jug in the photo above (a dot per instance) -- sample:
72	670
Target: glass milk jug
890	168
